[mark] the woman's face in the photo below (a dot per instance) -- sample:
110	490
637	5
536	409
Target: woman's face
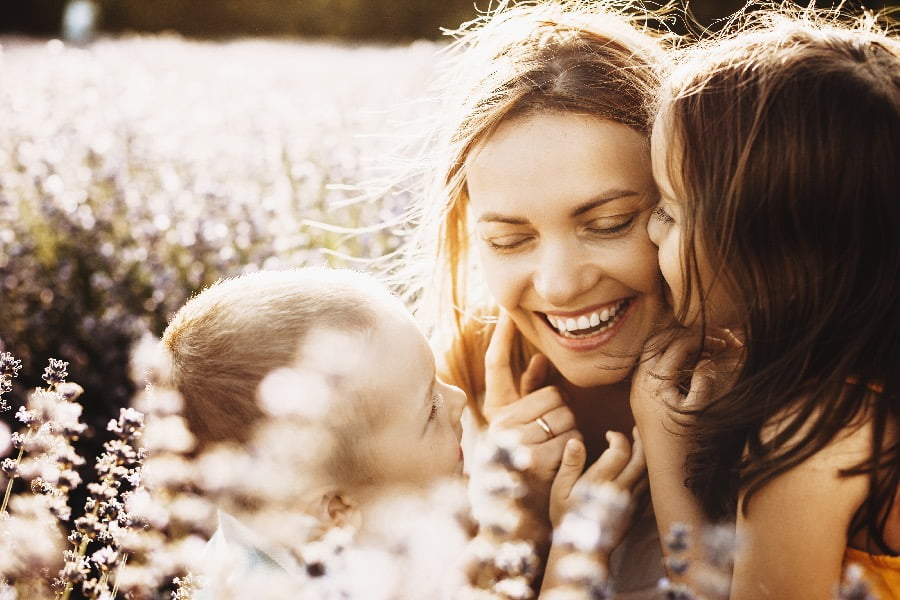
559	203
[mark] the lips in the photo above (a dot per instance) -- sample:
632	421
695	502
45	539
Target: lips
588	323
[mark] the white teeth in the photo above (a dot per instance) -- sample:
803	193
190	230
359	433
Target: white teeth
571	325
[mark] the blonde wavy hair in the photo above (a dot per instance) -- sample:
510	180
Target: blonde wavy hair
597	58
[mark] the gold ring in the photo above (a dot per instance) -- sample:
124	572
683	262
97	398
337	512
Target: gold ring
545	426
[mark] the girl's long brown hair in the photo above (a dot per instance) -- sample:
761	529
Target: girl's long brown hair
785	140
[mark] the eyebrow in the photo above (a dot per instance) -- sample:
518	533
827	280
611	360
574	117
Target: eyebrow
493	217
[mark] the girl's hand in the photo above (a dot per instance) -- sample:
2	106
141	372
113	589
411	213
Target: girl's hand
660	387
663	380
537	414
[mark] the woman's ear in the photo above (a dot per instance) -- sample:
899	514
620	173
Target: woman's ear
339	510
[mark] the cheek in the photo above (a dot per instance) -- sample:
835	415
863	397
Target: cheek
640	266
502	276
670	262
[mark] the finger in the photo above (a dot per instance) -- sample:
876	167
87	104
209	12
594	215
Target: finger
734	338
714	345
547	457
612	460
573	459
641	486
671	364
702	385
524	411
634	470
560	420
535	375
500	386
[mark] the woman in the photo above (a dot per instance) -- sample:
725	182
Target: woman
539	215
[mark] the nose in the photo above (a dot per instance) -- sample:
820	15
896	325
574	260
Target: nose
456	401
564	273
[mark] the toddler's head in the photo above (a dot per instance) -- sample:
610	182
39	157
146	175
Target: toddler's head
333	346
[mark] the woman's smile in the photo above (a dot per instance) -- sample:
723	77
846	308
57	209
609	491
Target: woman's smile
560	203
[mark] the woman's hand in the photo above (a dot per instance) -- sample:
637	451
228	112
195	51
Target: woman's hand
537	414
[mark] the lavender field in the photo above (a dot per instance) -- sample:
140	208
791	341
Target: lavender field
137	170
134	172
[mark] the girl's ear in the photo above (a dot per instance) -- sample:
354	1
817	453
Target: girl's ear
339	510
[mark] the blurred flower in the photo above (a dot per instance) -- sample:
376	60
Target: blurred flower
853	586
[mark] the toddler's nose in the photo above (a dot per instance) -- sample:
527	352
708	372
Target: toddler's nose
456	401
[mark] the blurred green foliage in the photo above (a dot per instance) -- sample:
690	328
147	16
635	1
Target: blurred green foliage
350	19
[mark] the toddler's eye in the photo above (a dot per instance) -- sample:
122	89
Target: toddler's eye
437	400
662	216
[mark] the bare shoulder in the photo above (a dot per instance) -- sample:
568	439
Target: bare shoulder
795	526
846	448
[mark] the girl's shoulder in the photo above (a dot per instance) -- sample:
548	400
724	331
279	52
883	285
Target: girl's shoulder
831	472
797	423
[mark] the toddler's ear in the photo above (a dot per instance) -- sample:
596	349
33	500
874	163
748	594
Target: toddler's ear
339	510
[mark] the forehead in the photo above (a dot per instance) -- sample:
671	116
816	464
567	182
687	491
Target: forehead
394	347
556	159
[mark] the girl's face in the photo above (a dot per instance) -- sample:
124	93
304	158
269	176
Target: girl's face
559	203
664	229
418	437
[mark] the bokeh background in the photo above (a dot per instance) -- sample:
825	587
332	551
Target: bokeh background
391	20
151	147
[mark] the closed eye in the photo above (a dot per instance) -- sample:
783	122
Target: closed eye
508	242
614	229
437	400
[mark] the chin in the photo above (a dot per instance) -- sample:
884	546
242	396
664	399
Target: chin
597	376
